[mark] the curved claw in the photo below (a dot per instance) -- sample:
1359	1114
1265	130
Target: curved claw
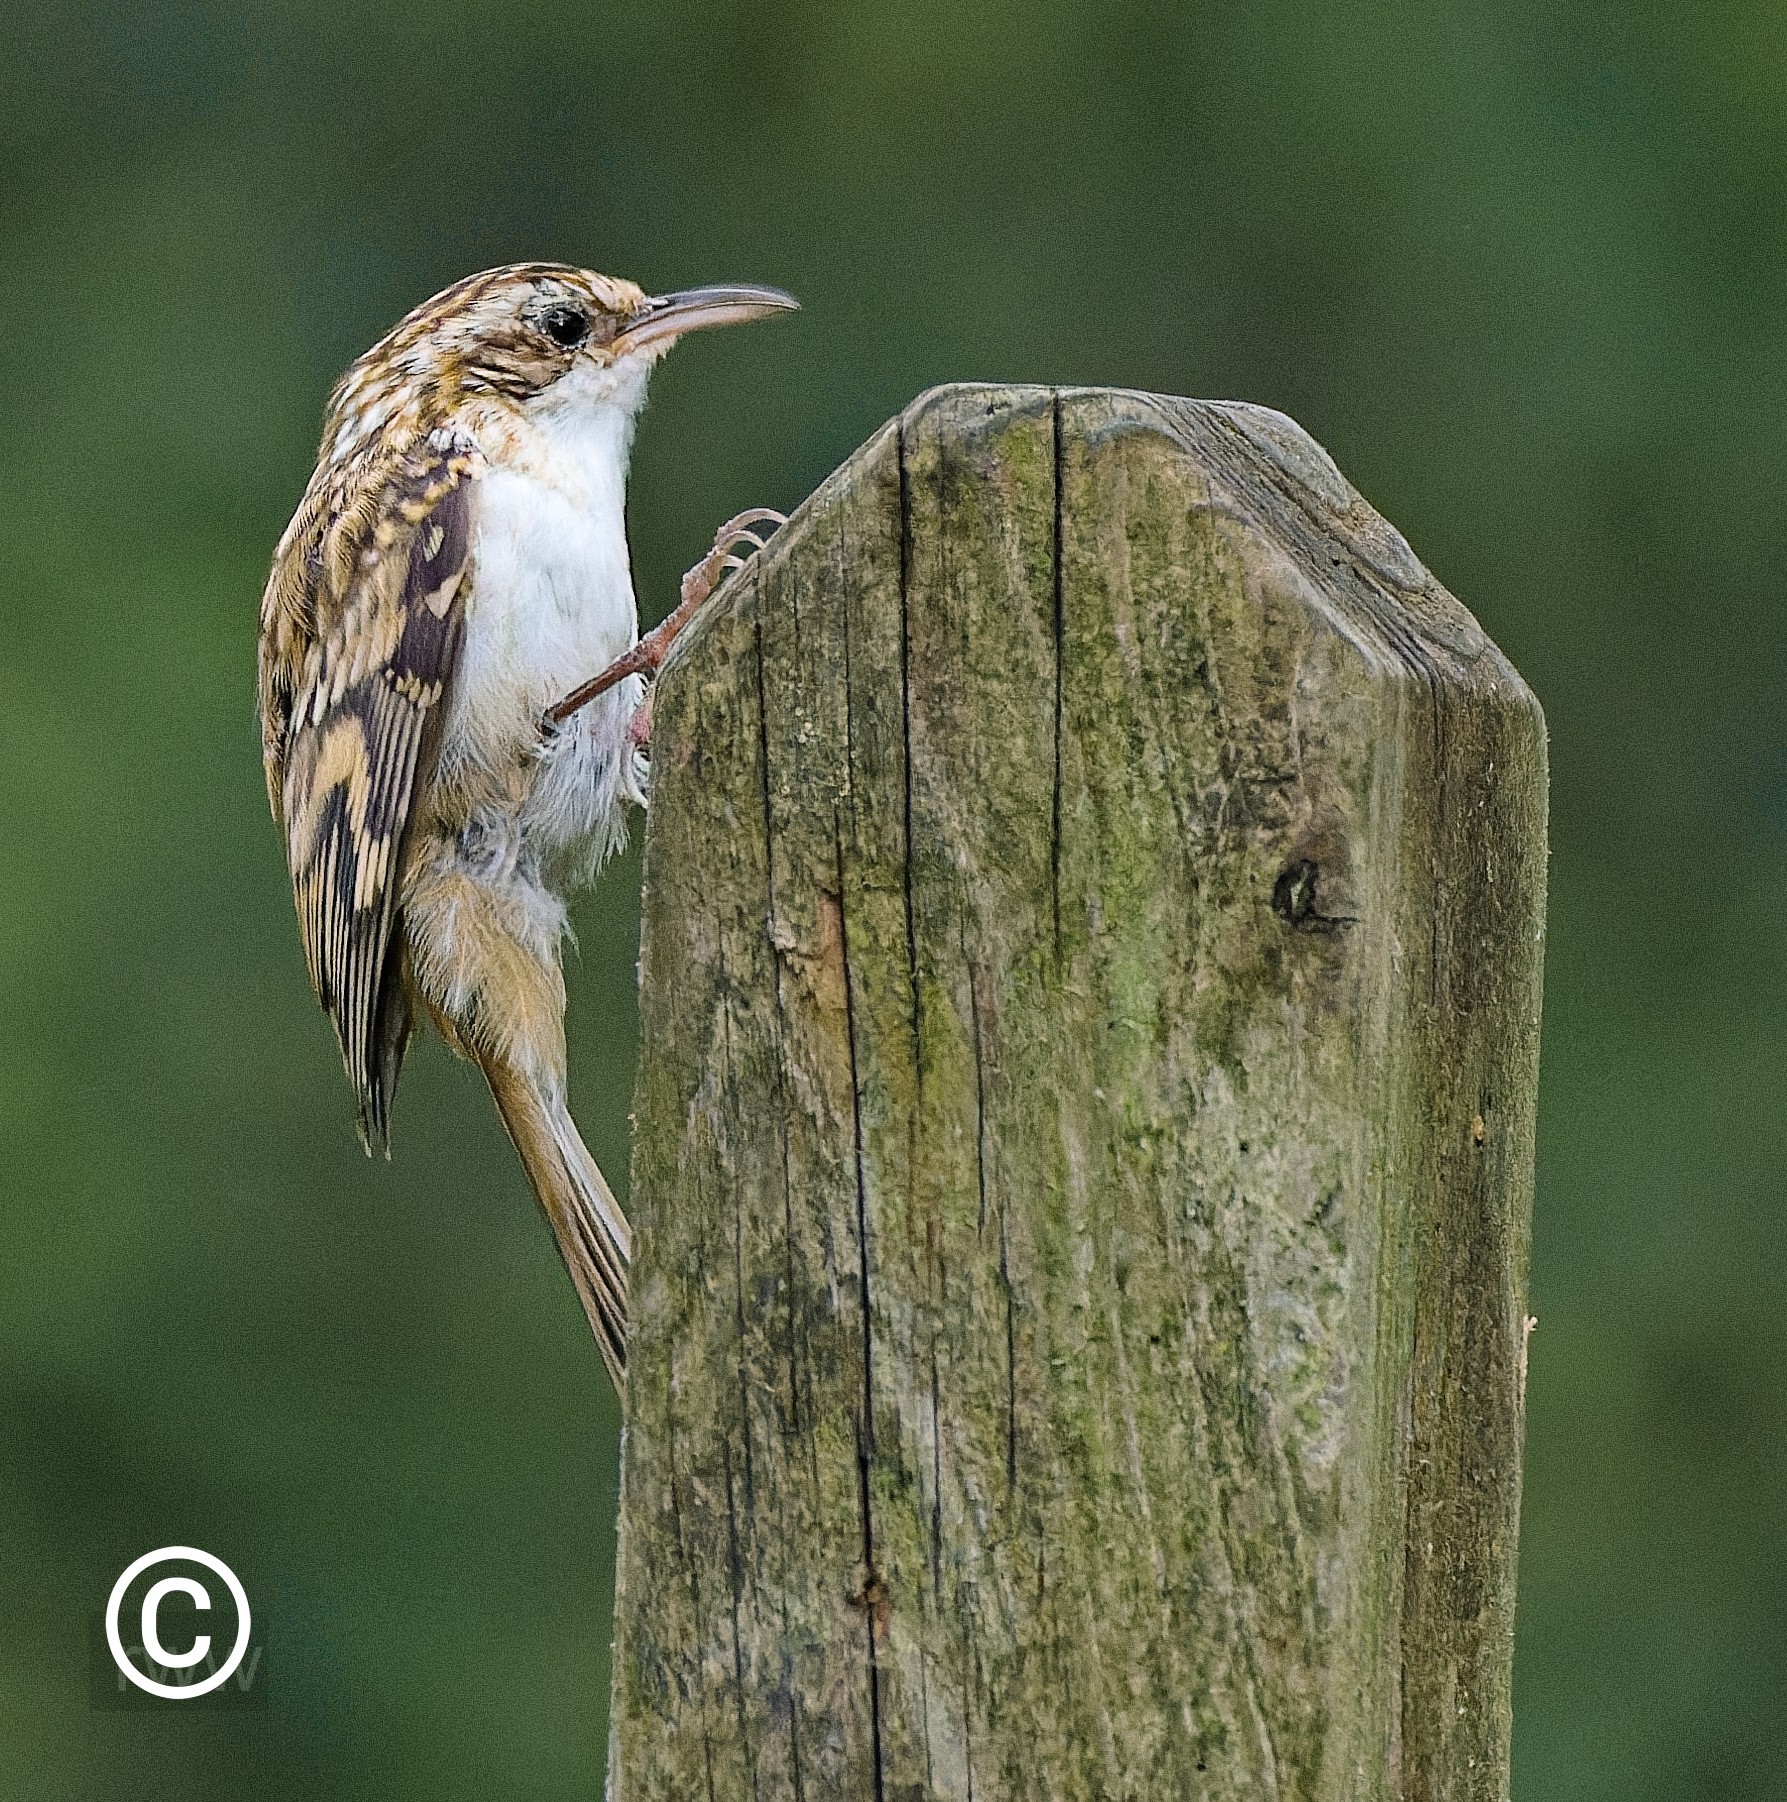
698	583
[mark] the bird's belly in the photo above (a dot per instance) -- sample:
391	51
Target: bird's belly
551	604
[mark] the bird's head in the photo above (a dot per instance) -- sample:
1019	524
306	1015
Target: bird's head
533	337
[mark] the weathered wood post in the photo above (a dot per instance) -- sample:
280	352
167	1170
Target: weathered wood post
1084	1138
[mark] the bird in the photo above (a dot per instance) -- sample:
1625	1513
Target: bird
443	774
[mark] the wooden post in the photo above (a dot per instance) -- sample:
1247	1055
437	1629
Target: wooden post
1094	889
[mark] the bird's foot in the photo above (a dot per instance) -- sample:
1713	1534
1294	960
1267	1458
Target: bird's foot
639	727
649	653
699	582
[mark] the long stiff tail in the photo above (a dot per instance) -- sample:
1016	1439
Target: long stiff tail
592	1233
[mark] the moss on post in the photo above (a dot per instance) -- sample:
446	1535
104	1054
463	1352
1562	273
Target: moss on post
1094	890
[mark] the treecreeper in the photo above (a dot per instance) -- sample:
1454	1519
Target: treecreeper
452	694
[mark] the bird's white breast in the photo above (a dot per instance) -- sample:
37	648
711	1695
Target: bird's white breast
550	605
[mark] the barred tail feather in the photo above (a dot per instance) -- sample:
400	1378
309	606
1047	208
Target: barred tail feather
592	1233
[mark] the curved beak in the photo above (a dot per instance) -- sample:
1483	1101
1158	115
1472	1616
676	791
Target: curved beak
665	317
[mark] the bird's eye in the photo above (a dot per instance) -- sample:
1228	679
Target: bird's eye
565	326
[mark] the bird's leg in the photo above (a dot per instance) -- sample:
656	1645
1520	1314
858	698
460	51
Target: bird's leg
651	650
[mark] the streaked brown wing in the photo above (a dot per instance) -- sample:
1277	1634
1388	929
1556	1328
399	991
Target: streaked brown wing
364	729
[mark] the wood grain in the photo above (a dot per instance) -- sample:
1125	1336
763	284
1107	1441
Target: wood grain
1094	896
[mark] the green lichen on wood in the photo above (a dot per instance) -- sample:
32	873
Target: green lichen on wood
1084	1137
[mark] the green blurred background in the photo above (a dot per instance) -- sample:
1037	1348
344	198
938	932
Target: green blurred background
1522	268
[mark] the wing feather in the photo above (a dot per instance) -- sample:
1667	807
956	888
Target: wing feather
350	741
